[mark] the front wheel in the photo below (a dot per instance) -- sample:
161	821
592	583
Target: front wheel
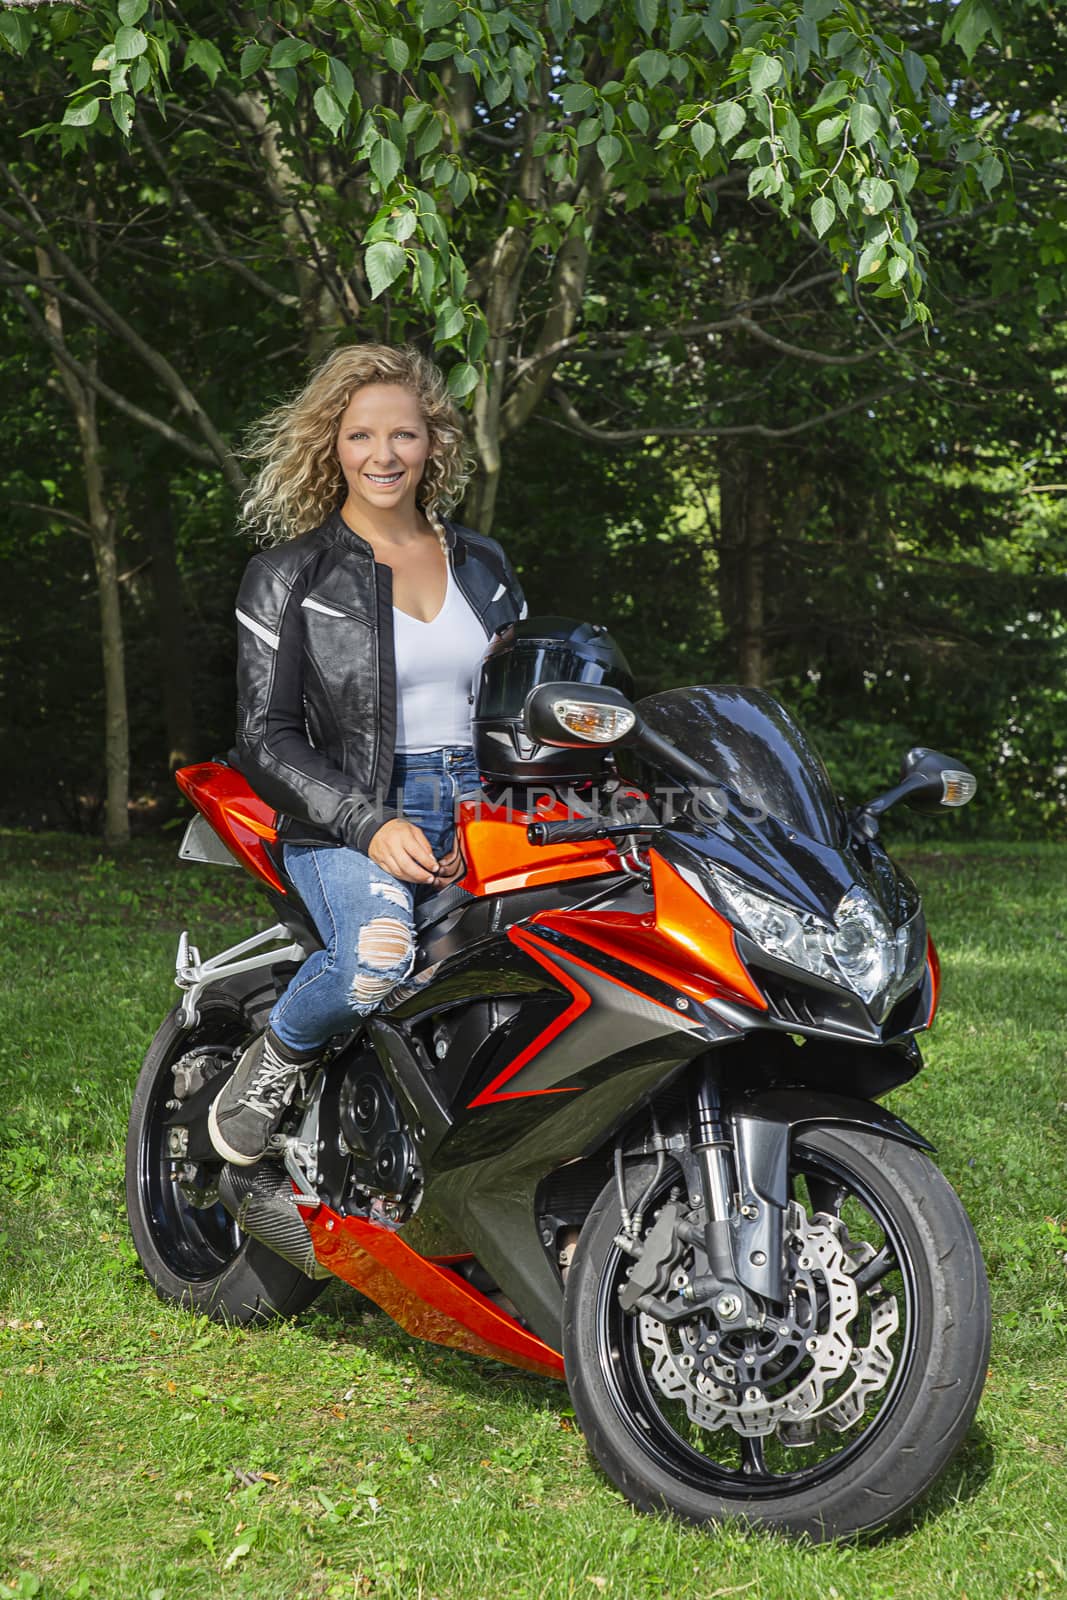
836	1413
192	1251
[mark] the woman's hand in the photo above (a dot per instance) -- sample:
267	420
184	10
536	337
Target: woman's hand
453	866
403	849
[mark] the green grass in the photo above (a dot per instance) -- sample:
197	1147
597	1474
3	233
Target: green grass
147	1453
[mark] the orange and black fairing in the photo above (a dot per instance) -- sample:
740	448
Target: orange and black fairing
245	823
631	977
500	858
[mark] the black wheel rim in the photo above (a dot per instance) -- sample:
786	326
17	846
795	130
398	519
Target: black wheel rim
722	1463
196	1243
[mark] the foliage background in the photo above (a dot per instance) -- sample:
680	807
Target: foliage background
757	309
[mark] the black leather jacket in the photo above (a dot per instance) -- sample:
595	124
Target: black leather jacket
316	678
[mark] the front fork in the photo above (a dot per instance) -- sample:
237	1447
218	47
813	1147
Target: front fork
742	1166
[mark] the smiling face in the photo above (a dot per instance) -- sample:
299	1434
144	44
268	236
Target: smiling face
382	444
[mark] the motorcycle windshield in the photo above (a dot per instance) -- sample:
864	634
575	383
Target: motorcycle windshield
751	746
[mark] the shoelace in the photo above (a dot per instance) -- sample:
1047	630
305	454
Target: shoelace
270	1078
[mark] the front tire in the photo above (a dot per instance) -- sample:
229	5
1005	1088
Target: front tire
194	1254
871	1471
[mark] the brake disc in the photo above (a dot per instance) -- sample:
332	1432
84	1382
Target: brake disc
775	1378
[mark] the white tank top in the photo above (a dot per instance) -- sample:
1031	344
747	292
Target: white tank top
435	666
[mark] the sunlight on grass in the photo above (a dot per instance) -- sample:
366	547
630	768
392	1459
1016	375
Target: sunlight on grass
150	1455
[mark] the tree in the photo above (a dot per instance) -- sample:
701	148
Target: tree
449	171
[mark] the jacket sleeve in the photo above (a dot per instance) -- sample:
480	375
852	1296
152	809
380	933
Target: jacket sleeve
276	755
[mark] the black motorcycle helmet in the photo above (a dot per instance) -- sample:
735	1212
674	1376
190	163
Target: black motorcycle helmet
520	656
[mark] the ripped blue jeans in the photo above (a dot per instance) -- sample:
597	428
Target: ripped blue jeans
363	914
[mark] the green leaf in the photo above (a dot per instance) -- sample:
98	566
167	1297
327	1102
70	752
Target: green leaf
969	23
647	12
435	13
914	70
383	263
396	53
329	109
131	11
426	269
577	97
63	23
668	133
764	72
462	380
609	149
586	10
830	94
450	321
683	31
818	9
864	122
404	225
829	128
129	44
897	268
17	30
384	161
990	171
429	137
288	83
289	53
823	213
341	81
870	260
729	119
638	115
703	137
252	58
82	115
589	131
875	195
653	65
203	54
122	112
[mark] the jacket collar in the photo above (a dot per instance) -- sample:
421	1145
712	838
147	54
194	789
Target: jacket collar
337	531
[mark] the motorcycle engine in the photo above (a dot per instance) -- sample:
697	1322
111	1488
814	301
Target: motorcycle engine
374	1131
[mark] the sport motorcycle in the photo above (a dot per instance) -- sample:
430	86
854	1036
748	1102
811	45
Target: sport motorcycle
620	1125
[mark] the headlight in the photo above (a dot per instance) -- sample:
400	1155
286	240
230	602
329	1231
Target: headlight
858	951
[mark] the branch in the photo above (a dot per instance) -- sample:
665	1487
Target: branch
738	430
583	343
90	379
818	357
290	301
566	290
106	315
78	523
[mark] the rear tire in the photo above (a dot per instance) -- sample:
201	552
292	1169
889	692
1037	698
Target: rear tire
197	1257
889	1458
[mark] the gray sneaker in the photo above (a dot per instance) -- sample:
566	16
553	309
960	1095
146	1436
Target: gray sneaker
248	1108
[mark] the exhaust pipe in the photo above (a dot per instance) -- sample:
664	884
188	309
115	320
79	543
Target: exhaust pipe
262	1202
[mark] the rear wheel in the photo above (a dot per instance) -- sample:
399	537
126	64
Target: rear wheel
834	1416
192	1251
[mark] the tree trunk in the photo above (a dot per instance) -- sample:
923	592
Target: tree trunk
743	536
176	680
101	525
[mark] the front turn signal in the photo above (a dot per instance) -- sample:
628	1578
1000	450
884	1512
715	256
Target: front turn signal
602	724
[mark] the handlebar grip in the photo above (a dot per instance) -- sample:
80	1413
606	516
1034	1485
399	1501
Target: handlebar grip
562	832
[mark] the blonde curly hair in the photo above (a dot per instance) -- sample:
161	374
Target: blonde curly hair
300	481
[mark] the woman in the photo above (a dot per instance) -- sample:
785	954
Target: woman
359	631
